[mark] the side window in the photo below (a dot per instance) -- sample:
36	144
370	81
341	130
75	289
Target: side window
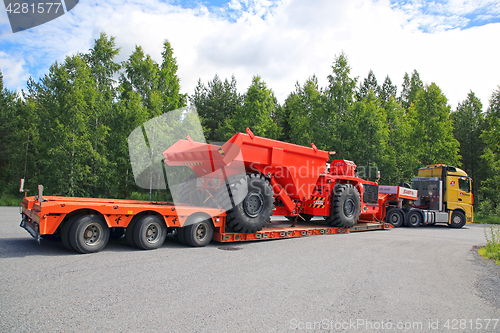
464	184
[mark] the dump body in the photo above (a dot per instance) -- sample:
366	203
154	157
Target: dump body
293	167
292	170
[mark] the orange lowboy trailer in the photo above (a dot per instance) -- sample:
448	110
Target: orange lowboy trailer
100	219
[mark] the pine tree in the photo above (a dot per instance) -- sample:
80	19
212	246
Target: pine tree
216	103
258	111
339	99
433	133
369	84
411	87
366	123
65	101
306	116
8	129
490	187
169	82
388	90
468	124
101	61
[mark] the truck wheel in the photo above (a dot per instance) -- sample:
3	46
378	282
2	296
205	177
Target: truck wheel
89	234
345	206
251	214
199	233
414	218
457	219
149	232
395	217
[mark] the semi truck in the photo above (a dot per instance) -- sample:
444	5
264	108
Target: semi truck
231	193
444	196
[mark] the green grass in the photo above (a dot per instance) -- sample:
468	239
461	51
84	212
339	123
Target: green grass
492	248
487	219
10	200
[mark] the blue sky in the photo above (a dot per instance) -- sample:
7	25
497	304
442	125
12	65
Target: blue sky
452	43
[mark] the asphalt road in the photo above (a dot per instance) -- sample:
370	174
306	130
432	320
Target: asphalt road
400	280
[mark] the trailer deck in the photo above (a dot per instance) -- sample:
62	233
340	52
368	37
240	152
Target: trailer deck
282	229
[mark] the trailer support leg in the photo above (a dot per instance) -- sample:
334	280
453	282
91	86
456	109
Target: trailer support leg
285	198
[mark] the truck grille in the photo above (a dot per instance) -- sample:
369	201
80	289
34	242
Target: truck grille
370	193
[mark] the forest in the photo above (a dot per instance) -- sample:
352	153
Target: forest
69	129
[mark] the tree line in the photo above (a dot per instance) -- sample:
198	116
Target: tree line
69	129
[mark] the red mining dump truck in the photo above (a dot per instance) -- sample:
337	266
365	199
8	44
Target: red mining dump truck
230	195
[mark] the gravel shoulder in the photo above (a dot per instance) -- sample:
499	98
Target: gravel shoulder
409	280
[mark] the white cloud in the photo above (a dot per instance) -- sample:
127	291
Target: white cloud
284	42
13	70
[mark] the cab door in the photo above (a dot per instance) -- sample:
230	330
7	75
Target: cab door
459	195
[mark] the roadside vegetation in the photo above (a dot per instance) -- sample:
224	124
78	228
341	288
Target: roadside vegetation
492	248
10	200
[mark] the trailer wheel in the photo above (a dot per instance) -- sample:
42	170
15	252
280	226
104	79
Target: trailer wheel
200	233
414	218
395	216
251	214
129	231
65	232
345	206
180	233
457	219
149	232
89	234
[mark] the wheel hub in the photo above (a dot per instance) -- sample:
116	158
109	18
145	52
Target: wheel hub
253	204
92	234
349	207
201	232
152	233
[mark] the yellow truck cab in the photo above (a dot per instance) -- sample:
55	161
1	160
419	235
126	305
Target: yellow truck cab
448	190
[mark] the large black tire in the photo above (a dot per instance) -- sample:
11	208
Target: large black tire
129	231
396	217
65	232
200	232
149	232
89	234
345	206
457	219
250	213
180	232
413	218
190	193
